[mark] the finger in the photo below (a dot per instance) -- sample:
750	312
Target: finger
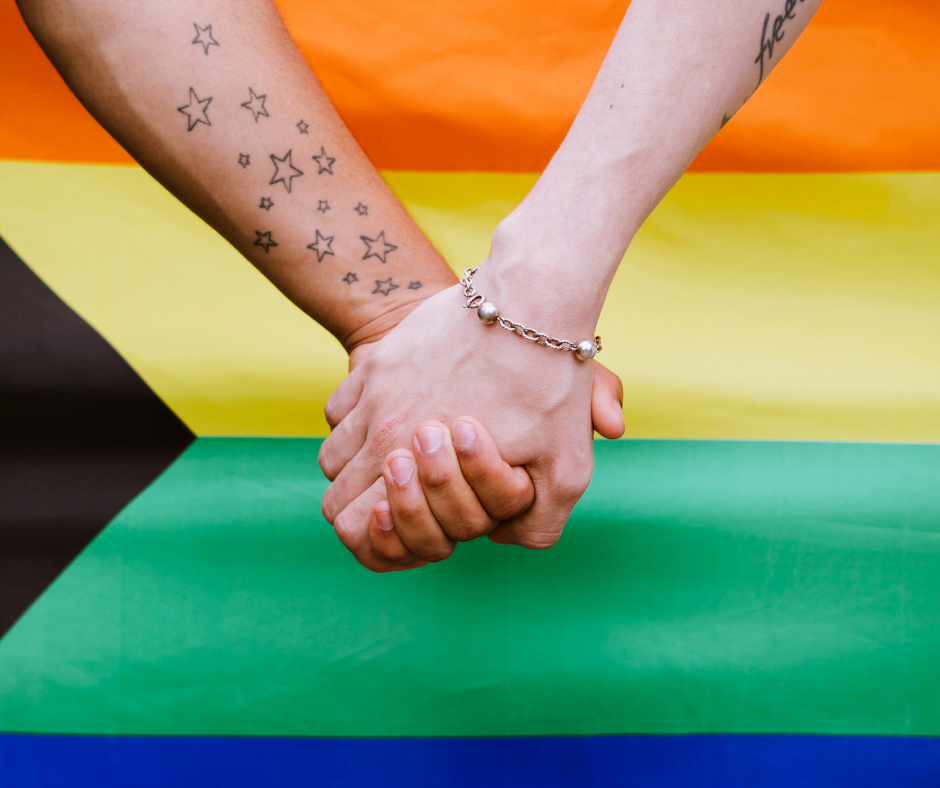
416	526
504	491
342	444
352	528
386	543
557	490
607	403
452	501
344	399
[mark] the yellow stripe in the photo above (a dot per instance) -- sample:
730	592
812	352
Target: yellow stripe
750	306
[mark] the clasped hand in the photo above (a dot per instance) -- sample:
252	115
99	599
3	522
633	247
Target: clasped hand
406	487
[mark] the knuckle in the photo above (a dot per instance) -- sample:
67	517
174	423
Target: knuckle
329	508
468	530
331	411
325	461
505	508
409	509
396	554
571	487
437	478
437	552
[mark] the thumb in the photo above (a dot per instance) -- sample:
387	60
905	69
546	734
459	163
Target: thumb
607	402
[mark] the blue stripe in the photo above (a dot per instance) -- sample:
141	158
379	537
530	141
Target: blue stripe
729	761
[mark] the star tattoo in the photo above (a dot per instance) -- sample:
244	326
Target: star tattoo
303	126
323	207
389	286
361	209
204	37
350	278
243	160
414	286
255	103
328	167
322	246
264	240
284	171
266	203
195	111
377	247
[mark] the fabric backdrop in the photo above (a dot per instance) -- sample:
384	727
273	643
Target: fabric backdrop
747	595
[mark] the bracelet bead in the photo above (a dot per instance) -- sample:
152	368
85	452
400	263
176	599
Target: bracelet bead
488	312
585	350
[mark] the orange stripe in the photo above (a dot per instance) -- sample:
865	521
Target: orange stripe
493	85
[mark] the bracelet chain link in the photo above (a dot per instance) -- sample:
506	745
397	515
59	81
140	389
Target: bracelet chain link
475	300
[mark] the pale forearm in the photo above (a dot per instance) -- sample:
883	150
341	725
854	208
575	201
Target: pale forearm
232	120
676	71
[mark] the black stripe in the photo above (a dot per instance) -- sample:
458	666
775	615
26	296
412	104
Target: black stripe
81	435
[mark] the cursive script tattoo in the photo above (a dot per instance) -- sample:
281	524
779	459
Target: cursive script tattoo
776	34
195	111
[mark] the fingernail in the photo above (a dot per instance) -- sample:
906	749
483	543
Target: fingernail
402	468
464	434
385	521
430	439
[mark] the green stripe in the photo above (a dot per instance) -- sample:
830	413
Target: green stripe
700	586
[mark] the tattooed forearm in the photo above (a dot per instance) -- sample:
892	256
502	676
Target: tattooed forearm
767	42
377	247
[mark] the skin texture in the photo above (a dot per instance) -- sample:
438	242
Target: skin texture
676	71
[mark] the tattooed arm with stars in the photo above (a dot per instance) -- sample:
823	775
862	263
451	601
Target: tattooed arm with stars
225	112
215	101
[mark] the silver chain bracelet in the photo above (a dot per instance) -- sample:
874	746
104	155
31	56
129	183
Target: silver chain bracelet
488	312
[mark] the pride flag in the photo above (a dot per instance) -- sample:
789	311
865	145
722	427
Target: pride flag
747	595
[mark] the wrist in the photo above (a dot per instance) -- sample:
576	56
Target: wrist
540	283
371	325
